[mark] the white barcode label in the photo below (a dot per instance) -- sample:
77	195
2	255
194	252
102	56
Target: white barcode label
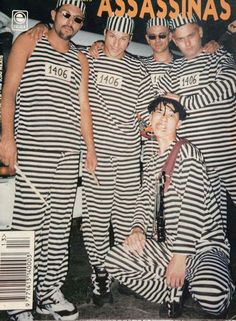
16	270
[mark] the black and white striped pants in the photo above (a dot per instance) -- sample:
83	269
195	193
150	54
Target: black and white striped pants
207	273
112	202
55	175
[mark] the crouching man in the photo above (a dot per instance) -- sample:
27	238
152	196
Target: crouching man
178	235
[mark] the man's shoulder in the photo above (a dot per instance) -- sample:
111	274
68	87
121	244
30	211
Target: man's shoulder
190	151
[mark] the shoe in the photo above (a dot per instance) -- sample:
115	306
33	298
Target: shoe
101	287
22	316
171	310
59	307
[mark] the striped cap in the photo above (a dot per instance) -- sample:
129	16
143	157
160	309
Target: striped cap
77	3
157	22
120	23
182	20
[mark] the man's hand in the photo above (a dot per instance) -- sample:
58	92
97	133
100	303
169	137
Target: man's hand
135	242
232	27
38	31
8	154
211	47
175	273
91	161
94	49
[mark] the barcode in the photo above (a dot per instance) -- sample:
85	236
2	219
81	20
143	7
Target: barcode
16	270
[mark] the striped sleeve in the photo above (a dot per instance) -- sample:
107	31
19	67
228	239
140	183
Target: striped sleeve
145	204
145	92
222	88
192	207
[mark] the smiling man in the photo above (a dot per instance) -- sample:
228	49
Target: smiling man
177	232
119	86
45	109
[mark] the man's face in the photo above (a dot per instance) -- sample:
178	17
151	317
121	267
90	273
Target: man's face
189	40
68	20
116	43
165	121
158	38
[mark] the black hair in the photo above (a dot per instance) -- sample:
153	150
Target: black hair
178	107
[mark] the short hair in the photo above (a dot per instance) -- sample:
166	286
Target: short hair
177	106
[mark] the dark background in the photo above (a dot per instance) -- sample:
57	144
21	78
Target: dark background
40	10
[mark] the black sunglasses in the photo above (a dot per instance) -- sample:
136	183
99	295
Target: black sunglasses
67	15
160	36
160	219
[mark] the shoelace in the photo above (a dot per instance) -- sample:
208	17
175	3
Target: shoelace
59	297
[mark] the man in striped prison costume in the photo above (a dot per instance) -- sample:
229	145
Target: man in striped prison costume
158	37
205	84
119	87
50	83
157	259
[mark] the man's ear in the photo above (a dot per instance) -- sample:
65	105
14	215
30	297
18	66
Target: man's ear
179	124
170	36
105	32
150	118
147	39
201	32
173	38
53	14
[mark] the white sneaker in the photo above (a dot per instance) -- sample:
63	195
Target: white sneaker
59	307
22	316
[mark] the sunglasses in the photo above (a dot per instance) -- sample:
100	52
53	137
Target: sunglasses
67	15
160	219
160	36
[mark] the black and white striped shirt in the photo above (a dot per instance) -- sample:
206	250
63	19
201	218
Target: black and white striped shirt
47	106
207	86
192	210
118	90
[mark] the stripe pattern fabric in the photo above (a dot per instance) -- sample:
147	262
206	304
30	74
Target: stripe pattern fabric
55	176
48	142
120	23
207	86
194	227
47	107
77	3
118	90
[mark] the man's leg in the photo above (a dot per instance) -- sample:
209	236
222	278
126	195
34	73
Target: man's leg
209	279
96	219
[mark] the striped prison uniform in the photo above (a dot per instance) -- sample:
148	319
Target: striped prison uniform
47	128
193	227
157	70
118	89
207	86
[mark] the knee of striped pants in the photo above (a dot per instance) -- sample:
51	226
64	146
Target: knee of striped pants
210	282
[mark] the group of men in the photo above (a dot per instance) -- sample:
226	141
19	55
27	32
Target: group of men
56	93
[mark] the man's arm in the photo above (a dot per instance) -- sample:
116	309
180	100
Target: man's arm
223	87
20	52
86	117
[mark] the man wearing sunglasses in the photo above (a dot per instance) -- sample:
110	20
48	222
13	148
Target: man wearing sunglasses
178	236
41	133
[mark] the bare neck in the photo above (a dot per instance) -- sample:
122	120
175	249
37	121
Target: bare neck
165	57
58	43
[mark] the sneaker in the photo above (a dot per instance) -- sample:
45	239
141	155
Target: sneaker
101	287
22	316
59	307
